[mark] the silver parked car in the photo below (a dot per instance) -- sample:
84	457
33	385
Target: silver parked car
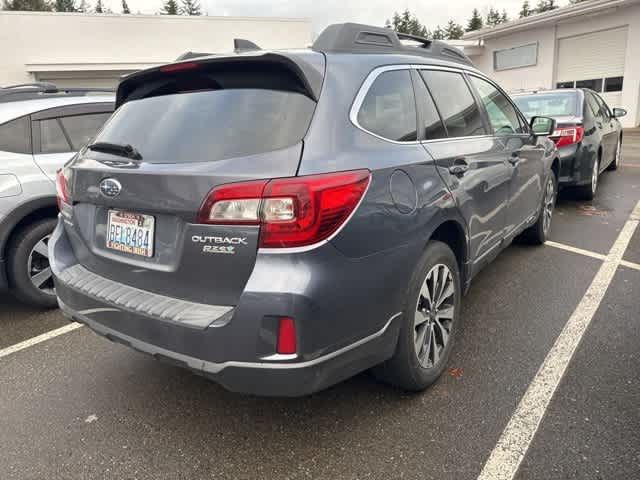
41	127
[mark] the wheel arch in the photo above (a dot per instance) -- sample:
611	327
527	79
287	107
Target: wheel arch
555	168
25	214
452	233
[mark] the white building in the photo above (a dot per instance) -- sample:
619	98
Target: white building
74	49
590	44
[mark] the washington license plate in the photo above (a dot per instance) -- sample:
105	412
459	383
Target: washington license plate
131	233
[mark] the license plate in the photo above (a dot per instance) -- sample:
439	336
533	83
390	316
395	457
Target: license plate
131	233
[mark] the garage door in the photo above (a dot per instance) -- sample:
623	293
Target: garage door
594	60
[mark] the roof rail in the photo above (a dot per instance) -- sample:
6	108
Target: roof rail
357	38
30	91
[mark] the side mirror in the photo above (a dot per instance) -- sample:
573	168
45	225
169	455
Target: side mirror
542	126
619	112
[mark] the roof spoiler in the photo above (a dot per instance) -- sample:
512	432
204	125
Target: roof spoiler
309	77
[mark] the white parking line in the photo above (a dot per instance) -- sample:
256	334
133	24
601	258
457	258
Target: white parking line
514	442
580	251
589	253
39	339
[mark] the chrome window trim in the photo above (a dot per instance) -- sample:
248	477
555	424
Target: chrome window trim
362	93
376	72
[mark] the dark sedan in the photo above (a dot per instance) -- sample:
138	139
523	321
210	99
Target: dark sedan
588	134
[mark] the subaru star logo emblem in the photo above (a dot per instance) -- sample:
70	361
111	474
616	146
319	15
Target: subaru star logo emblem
110	187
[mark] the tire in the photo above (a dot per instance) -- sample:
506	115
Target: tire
616	159
27	258
588	192
538	233
412	368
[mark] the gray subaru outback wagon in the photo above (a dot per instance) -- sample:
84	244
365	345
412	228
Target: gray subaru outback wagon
281	220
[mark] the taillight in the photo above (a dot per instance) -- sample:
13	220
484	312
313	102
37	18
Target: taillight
292	212
567	135
62	195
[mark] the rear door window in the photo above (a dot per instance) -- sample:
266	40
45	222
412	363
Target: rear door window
52	137
455	102
15	136
502	115
388	109
594	106
81	128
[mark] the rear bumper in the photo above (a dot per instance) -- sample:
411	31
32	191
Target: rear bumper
575	165
235	346
263	378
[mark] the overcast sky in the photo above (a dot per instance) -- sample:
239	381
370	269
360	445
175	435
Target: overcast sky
324	12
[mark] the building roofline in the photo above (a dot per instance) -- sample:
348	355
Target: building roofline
547	18
159	16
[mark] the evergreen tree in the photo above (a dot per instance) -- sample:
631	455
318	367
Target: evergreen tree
475	22
99	8
453	30
125	7
546	5
504	17
65	6
439	33
526	11
493	17
190	7
27	5
170	7
407	23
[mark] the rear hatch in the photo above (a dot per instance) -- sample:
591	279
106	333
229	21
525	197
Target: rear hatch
179	132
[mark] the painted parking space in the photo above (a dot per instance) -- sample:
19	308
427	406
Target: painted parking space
155	419
93	409
592	427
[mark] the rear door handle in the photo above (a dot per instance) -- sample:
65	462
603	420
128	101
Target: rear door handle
459	167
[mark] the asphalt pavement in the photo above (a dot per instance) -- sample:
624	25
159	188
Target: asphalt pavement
79	407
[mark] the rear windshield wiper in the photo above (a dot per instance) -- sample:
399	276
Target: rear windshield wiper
127	150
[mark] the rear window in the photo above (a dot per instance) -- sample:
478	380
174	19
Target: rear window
210	125
550	104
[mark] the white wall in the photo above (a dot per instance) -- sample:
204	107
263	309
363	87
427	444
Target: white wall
543	74
48	44
538	76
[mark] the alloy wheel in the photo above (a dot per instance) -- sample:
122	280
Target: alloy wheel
549	204
617	159
434	315
39	268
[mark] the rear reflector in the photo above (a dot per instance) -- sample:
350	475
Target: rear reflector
61	189
286	336
292	212
567	135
